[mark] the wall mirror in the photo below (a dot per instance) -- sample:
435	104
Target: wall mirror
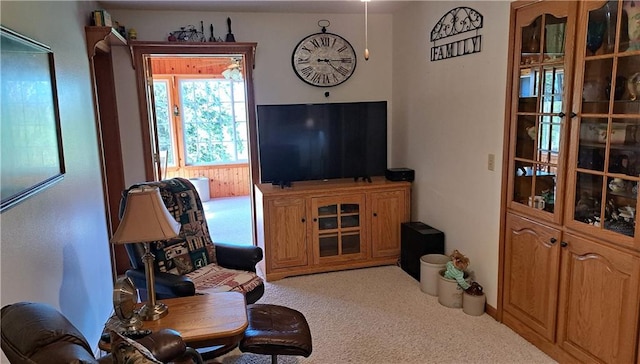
31	155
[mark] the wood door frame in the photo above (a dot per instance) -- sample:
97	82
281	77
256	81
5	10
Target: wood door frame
140	50
99	41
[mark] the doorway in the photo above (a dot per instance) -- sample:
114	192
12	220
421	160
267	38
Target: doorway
198	120
201	126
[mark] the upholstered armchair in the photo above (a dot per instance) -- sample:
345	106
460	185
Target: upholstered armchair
34	332
192	263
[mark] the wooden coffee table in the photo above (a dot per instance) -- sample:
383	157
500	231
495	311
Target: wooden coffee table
217	319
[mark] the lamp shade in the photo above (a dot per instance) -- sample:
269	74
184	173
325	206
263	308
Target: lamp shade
145	218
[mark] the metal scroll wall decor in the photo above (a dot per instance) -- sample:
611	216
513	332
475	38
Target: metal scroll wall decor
456	21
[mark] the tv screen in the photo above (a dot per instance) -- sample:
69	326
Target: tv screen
322	141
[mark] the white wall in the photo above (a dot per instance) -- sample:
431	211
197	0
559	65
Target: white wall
54	246
448	116
274	79
445	116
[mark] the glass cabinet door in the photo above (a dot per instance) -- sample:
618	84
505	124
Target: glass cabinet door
607	155
541	93
339	227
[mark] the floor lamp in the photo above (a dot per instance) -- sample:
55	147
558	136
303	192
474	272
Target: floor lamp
146	219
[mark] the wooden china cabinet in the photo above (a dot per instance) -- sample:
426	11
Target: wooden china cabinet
570	245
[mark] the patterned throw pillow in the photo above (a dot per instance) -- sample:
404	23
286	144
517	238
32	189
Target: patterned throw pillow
127	351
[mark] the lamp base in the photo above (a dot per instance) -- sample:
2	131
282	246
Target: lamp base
152	313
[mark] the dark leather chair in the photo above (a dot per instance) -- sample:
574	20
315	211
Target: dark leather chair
38	333
192	262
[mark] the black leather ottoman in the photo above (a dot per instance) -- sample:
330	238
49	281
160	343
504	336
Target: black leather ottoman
276	330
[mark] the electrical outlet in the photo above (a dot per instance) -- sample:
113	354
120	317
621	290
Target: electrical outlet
491	164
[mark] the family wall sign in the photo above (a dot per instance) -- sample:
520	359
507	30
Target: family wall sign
457	21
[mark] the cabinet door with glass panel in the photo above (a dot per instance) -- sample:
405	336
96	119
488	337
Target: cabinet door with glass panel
605	157
338	233
540	111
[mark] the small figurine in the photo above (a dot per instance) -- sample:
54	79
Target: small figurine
455	268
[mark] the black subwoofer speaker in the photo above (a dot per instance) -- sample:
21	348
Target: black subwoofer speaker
418	239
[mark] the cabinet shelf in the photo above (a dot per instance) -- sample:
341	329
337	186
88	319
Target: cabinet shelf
598	145
600	108
325	232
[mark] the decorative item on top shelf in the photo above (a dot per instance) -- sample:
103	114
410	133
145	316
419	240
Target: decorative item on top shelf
101	18
212	38
632	8
186	34
230	36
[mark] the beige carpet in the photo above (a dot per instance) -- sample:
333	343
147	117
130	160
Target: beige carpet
380	315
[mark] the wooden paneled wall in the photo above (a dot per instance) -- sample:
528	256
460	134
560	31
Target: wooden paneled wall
210	66
224	181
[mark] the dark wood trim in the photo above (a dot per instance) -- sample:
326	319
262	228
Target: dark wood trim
140	50
99	42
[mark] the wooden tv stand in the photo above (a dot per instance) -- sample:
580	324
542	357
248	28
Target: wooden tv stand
322	226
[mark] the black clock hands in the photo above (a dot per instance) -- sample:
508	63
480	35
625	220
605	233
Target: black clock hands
329	60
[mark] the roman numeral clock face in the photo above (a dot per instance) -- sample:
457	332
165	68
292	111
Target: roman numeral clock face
324	60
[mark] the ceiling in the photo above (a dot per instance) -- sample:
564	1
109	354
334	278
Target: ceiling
263	6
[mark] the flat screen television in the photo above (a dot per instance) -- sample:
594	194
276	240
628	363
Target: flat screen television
301	142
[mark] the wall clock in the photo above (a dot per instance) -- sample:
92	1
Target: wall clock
324	59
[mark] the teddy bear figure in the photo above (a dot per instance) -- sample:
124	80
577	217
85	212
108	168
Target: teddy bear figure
455	268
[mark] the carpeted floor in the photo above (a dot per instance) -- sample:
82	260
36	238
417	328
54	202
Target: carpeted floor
380	315
229	219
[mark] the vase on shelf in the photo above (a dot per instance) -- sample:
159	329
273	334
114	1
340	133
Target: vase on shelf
595	36
610	26
533	45
632	8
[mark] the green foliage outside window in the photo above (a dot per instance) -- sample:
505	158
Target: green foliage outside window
163	121
213	121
